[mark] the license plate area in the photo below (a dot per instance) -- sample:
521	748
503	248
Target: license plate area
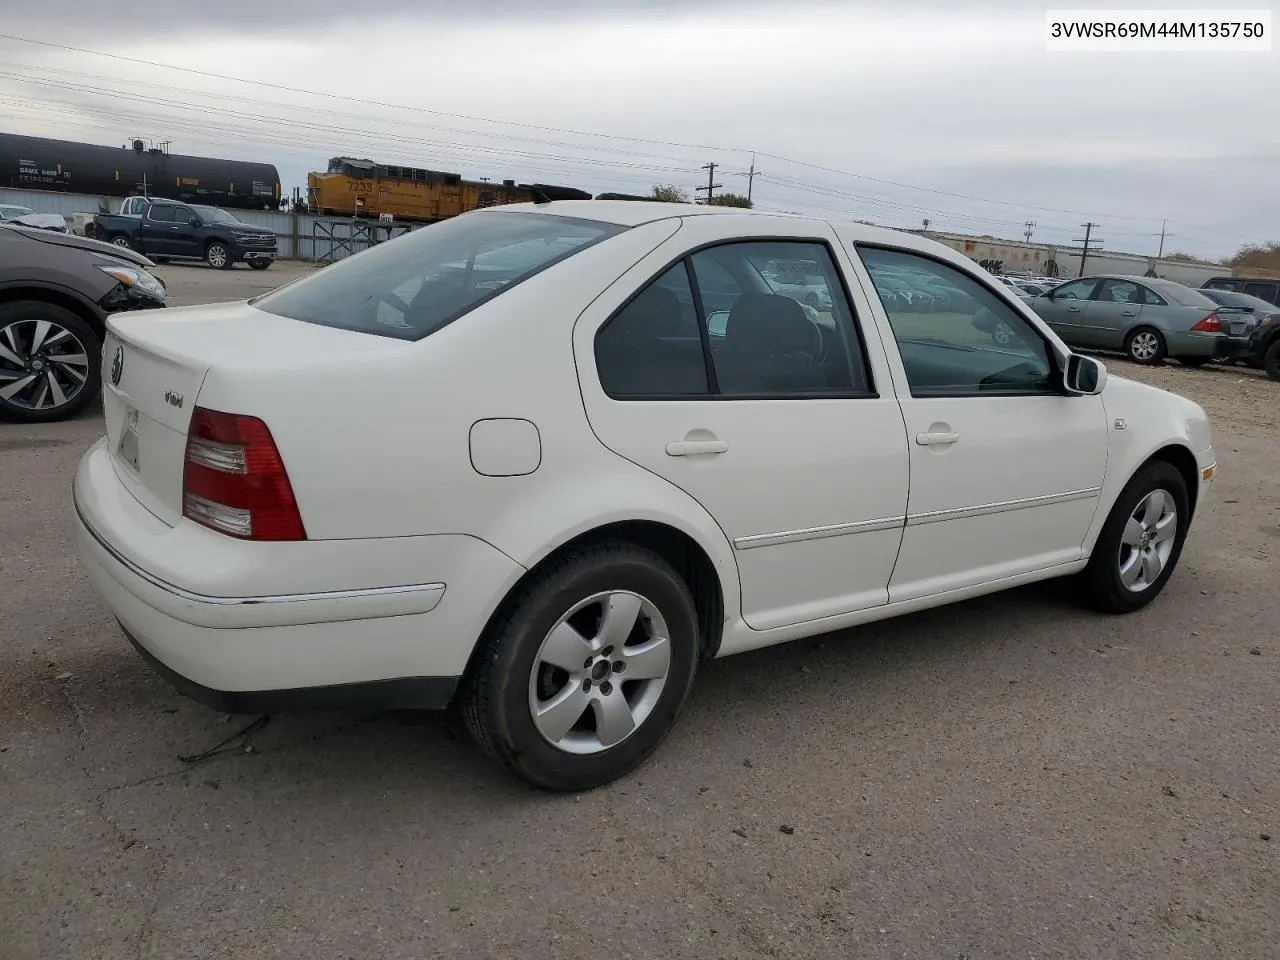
127	448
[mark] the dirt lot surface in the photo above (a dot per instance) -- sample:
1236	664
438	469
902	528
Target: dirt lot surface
1007	778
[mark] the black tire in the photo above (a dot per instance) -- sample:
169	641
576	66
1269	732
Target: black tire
1196	362
1099	584
496	700
16	319
259	264
1137	338
123	240
218	256
1271	360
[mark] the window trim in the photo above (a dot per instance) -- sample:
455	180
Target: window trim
1057	373
687	258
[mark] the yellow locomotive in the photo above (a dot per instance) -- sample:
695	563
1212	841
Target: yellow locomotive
363	188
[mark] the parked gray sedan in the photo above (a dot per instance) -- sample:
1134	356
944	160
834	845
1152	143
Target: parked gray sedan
1144	317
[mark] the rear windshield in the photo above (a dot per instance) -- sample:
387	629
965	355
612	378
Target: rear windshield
1183	296
417	283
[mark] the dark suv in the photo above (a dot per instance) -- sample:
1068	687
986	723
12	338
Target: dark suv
56	292
1264	288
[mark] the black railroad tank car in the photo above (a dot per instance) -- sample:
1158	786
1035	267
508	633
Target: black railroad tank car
65	166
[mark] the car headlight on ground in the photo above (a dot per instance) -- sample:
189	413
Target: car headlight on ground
139	282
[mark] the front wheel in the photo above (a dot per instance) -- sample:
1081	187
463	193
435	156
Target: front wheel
50	362
217	255
1140	543
259	264
1146	346
122	241
587	670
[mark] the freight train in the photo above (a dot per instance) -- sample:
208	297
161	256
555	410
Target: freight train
352	187
38	163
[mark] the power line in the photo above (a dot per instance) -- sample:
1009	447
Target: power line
582	133
751	173
259	102
359	100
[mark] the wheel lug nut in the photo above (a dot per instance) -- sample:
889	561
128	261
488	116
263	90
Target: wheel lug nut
606	651
618	666
586	685
587	665
606	688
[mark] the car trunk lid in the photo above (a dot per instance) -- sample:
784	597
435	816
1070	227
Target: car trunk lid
153	368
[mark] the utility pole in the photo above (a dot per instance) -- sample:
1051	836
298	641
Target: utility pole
1163	225
711	186
751	175
1030	225
1088	242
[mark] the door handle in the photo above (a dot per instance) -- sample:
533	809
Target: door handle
688	448
1128	313
930	439
1073	309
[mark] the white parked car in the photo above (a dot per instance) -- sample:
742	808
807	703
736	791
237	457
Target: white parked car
547	496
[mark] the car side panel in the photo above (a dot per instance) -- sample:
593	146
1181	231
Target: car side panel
1143	420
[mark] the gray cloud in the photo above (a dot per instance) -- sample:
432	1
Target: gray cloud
963	102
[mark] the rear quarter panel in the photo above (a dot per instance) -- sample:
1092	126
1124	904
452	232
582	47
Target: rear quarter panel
378	445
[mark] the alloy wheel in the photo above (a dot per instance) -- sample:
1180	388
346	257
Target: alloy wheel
600	672
1144	346
1147	541
43	365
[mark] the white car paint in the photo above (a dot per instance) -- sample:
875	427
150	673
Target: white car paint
432	475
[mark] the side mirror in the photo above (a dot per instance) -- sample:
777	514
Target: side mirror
194	221
1084	375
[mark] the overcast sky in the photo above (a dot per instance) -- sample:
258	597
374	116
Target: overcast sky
885	111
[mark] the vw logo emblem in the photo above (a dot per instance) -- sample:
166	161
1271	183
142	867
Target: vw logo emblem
117	366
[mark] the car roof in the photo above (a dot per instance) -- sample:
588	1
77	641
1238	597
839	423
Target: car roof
634	213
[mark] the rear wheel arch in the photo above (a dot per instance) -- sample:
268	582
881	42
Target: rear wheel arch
685	555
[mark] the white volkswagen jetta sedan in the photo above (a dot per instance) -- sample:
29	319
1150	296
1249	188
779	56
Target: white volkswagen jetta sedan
541	461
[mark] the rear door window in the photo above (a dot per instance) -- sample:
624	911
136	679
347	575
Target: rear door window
413	285
1269	292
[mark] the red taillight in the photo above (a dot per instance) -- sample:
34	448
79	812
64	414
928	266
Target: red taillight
1210	324
234	481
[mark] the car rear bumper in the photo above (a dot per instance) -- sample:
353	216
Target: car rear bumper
1192	344
247	635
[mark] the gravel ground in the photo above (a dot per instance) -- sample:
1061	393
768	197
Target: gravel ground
1010	777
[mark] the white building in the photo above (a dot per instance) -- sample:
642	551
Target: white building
1018	257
